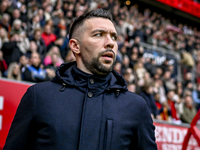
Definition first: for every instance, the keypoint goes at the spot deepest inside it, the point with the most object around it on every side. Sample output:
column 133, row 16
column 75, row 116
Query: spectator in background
column 168, row 82
column 147, row 94
column 140, row 70
column 188, row 87
column 119, row 27
column 32, row 25
column 32, row 49
column 172, row 71
column 42, row 17
column 48, row 60
column 187, row 78
column 47, row 11
column 3, row 37
column 23, row 62
column 125, row 63
column 133, row 60
column 60, row 26
column 5, row 23
column 54, row 62
column 157, row 101
column 118, row 67
column 196, row 96
column 17, row 27
column 64, row 47
column 23, row 44
column 23, row 14
column 59, row 42
column 189, row 111
column 165, row 112
column 14, row 71
column 41, row 47
column 151, row 67
column 165, row 65
column 57, row 16
column 34, row 72
column 132, row 87
column 51, row 68
column 3, row 64
column 153, row 40
column 197, row 71
column 122, row 53
column 32, row 11
column 4, row 7
column 128, row 75
column 65, row 6
column 11, row 50
column 15, row 15
column 171, row 99
column 50, row 22
column 47, row 35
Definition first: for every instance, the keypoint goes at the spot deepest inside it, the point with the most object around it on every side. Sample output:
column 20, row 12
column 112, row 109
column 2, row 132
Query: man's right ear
column 74, row 46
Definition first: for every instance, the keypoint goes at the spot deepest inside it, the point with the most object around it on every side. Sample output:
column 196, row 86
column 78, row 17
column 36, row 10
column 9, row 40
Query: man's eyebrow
column 99, row 30
column 114, row 34
column 104, row 31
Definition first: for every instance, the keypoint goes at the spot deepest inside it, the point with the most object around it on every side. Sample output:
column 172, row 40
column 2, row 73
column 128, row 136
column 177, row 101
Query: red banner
column 171, row 137
column 10, row 95
column 187, row 6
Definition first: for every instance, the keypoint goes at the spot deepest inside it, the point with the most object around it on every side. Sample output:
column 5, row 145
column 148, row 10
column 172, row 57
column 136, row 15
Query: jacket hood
column 69, row 75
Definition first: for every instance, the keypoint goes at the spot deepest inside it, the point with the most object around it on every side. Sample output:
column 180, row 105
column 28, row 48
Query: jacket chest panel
column 91, row 119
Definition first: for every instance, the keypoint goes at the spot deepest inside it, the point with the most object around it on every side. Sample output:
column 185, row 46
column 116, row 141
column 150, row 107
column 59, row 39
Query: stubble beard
column 96, row 67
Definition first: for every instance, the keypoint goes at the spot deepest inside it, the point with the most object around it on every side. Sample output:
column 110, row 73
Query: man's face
column 98, row 46
column 35, row 59
column 16, row 13
column 37, row 35
column 47, row 29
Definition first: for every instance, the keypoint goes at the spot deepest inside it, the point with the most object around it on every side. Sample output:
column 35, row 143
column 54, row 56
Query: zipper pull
column 62, row 88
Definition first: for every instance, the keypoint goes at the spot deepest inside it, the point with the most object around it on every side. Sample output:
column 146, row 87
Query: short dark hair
column 101, row 13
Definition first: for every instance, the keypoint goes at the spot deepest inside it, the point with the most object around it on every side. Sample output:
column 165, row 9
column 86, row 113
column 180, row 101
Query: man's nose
column 109, row 42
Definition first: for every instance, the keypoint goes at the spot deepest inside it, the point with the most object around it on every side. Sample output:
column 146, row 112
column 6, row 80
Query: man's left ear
column 74, row 46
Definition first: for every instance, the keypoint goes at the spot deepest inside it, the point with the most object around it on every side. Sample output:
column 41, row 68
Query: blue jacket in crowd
column 79, row 111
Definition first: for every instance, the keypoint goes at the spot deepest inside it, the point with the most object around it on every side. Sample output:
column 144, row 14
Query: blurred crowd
column 34, row 43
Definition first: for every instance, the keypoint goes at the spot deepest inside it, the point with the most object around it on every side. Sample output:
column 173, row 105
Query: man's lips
column 108, row 55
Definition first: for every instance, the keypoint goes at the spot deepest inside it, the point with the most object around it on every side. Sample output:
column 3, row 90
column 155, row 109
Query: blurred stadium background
column 159, row 55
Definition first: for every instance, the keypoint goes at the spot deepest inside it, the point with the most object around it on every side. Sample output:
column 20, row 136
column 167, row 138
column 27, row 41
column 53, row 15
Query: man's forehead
column 100, row 23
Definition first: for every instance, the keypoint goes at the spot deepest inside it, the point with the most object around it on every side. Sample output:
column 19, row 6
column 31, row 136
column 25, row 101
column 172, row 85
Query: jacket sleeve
column 21, row 131
column 146, row 134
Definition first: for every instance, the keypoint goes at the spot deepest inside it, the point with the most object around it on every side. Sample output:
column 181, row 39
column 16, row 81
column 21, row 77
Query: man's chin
column 107, row 62
column 106, row 67
column 102, row 67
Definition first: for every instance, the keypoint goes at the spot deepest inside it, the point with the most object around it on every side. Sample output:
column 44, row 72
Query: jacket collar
column 69, row 75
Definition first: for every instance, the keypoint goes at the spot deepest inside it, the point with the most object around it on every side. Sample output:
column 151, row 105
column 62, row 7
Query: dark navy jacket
column 78, row 111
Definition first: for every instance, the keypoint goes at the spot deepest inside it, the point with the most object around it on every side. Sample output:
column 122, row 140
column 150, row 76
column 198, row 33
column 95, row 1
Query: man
column 147, row 94
column 34, row 72
column 11, row 49
column 189, row 111
column 47, row 35
column 40, row 43
column 196, row 96
column 87, row 105
column 4, row 22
